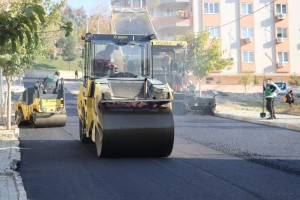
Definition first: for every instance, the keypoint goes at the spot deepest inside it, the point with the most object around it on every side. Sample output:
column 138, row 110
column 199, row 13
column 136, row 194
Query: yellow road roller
column 122, row 108
column 42, row 105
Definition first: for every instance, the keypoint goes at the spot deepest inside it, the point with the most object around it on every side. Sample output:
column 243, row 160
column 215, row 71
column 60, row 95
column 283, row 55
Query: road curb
column 12, row 184
column 16, row 158
column 22, row 195
column 17, row 176
column 260, row 121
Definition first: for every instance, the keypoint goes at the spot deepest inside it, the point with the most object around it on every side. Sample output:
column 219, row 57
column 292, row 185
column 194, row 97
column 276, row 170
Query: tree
column 204, row 55
column 21, row 33
column 68, row 47
column 80, row 65
column 294, row 80
column 246, row 79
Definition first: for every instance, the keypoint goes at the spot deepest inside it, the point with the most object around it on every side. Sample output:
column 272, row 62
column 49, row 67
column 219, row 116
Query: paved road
column 209, row 161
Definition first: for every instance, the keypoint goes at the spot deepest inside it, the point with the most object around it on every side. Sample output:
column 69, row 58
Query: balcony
column 156, row 3
column 174, row 19
column 171, row 22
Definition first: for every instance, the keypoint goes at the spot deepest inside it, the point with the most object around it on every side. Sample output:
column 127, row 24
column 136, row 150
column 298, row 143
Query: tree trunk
column 8, row 101
column 200, row 88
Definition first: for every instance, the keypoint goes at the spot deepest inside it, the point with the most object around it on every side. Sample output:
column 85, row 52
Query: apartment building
column 170, row 17
column 262, row 37
column 128, row 3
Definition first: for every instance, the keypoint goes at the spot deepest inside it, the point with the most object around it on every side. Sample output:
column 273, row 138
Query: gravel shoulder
column 254, row 102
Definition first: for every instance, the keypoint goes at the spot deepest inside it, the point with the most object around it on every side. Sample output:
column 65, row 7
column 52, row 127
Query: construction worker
column 103, row 60
column 192, row 87
column 289, row 97
column 271, row 91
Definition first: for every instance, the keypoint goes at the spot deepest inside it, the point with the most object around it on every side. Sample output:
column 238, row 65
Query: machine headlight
column 44, row 109
column 164, row 95
column 160, row 93
column 106, row 96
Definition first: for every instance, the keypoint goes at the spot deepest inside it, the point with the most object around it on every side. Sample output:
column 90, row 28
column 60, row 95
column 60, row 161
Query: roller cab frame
column 121, row 107
column 42, row 105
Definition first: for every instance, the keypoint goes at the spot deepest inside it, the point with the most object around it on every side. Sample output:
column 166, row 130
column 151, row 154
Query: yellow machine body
column 126, row 112
column 41, row 108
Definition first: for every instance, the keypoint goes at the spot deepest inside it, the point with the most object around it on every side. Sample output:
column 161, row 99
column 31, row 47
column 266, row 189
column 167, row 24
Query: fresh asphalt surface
column 210, row 160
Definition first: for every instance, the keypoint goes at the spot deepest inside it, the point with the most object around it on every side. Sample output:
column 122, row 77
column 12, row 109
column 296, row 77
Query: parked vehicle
column 283, row 87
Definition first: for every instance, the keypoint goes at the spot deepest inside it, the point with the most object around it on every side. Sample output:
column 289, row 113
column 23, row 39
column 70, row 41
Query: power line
column 238, row 19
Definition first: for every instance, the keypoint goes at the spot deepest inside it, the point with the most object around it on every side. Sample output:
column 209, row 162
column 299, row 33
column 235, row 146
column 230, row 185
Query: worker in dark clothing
column 103, row 61
column 271, row 91
column 76, row 74
column 289, row 97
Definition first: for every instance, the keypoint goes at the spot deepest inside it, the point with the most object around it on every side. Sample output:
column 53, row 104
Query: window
column 247, row 32
column 214, row 32
column 248, row 56
column 246, row 8
column 136, row 3
column 211, row 8
column 282, row 57
column 282, row 33
column 169, row 12
column 281, row 8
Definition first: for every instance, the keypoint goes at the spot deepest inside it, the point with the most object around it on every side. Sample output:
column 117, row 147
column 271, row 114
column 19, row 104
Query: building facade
column 262, row 37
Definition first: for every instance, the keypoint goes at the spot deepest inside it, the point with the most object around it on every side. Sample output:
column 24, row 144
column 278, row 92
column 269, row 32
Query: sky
column 89, row 5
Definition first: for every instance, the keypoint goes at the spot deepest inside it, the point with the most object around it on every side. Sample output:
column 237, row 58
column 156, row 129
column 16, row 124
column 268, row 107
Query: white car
column 283, row 87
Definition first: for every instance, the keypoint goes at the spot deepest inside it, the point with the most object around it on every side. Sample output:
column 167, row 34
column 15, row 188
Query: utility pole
column 87, row 25
column 98, row 24
column 1, row 94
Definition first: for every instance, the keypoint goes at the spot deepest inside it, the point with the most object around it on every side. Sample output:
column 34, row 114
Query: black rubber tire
column 82, row 136
column 19, row 118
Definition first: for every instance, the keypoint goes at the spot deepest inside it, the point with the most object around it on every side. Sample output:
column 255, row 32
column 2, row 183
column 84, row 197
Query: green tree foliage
column 79, row 19
column 246, row 79
column 295, row 80
column 204, row 55
column 23, row 24
column 255, row 80
column 20, row 23
column 68, row 48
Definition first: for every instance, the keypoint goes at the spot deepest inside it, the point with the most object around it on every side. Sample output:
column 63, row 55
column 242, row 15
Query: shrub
column 295, row 80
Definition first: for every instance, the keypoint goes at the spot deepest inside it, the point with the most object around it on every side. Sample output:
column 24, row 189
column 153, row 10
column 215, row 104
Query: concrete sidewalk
column 291, row 122
column 11, row 185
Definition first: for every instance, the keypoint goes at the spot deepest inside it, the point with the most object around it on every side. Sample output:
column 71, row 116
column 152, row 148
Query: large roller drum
column 43, row 120
column 137, row 133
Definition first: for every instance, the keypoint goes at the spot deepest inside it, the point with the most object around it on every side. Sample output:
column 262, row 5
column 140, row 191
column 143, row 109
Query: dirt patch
column 253, row 102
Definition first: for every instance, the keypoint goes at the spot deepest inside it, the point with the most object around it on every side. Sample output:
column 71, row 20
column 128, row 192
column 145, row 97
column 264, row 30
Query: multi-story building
column 170, row 17
column 128, row 3
column 261, row 36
